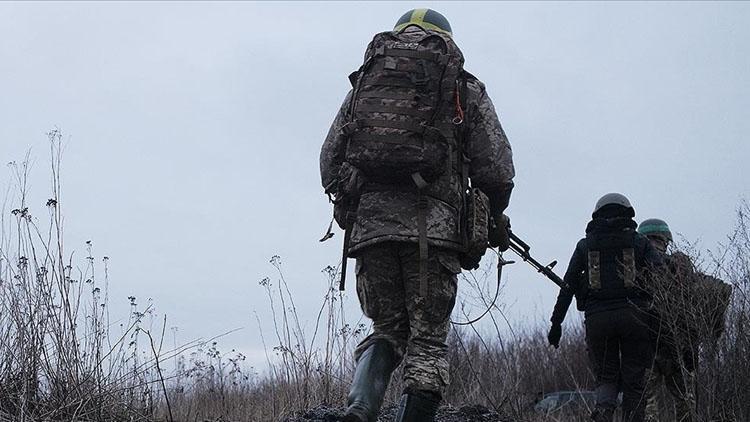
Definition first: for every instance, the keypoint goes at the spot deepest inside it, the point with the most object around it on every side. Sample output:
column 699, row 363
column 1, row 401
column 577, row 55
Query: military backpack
column 402, row 106
column 404, row 130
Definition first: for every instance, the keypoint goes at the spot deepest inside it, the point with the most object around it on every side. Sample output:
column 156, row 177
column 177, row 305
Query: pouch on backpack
column 476, row 224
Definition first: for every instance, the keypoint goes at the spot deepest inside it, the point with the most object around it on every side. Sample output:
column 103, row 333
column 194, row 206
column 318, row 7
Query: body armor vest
column 611, row 264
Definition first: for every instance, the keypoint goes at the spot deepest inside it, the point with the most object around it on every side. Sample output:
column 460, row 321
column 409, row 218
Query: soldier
column 689, row 305
column 409, row 136
column 606, row 275
column 668, row 362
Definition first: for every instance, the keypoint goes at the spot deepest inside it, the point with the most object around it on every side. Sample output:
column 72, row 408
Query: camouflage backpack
column 404, row 122
column 404, row 100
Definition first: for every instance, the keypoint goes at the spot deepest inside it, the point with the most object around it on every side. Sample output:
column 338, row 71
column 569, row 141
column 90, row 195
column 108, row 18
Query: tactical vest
column 404, row 101
column 612, row 270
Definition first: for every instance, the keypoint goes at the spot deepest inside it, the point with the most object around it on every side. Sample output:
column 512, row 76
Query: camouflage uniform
column 689, row 306
column 415, row 327
column 391, row 215
column 384, row 239
column 671, row 362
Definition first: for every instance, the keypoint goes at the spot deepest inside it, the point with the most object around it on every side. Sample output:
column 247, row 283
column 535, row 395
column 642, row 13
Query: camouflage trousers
column 415, row 326
column 668, row 370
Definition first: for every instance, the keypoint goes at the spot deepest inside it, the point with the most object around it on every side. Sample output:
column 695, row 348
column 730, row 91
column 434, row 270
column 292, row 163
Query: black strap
column 417, row 54
column 426, row 131
column 351, row 127
column 422, row 230
column 393, row 124
column 389, row 95
column 410, row 68
column 423, row 248
column 350, row 218
column 404, row 111
column 387, row 139
column 385, row 66
column 390, row 81
column 459, row 133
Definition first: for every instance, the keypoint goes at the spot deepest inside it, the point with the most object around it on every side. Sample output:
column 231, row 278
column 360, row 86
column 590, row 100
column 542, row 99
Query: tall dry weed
column 61, row 356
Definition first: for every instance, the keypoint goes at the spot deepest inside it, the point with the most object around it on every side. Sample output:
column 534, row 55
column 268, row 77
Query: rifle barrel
column 521, row 248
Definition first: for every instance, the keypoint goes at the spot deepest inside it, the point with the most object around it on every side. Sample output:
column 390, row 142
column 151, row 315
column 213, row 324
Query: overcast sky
column 193, row 132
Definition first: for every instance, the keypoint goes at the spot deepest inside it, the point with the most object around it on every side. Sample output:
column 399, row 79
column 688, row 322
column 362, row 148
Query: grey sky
column 195, row 130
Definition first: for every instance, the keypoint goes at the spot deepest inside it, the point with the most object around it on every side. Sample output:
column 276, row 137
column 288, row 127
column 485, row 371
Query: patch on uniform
column 406, row 45
column 628, row 267
column 595, row 270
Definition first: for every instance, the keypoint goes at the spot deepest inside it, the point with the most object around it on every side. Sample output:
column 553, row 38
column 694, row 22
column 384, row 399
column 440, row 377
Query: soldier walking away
column 415, row 148
column 680, row 320
column 607, row 276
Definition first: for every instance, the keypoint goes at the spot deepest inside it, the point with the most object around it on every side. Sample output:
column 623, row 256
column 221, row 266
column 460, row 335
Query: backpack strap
column 462, row 161
column 345, row 252
column 422, row 233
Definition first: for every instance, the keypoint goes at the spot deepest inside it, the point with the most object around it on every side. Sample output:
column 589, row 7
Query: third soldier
column 689, row 307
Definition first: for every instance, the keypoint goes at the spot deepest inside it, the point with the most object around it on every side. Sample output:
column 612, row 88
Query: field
column 61, row 358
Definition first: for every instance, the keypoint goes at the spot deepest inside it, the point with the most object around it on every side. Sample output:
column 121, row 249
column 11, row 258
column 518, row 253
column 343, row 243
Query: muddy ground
column 474, row 413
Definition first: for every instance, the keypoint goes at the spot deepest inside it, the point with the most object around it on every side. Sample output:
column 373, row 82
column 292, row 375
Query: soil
column 471, row 413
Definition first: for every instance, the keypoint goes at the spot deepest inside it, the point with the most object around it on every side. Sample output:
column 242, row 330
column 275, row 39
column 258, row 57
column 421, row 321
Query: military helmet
column 655, row 227
column 613, row 199
column 425, row 19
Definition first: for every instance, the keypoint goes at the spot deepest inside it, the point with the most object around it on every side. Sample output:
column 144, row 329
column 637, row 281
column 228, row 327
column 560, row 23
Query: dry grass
column 509, row 370
column 62, row 358
column 693, row 315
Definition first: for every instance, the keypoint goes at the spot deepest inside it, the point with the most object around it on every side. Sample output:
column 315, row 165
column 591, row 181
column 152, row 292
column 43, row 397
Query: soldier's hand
column 555, row 332
column 498, row 232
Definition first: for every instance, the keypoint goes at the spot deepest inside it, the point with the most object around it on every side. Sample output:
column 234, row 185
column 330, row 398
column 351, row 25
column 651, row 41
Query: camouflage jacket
column 392, row 215
column 690, row 304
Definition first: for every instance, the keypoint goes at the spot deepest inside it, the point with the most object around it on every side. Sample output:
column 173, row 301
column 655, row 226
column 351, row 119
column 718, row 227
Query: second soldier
column 608, row 276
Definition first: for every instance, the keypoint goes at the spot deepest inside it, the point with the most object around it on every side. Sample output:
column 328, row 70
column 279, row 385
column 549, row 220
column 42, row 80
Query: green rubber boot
column 418, row 406
column 371, row 379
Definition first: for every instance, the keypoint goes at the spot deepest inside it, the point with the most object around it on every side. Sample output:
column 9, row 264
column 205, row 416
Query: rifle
column 521, row 248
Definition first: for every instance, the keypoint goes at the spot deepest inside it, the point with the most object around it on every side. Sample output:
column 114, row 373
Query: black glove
column 498, row 232
column 554, row 335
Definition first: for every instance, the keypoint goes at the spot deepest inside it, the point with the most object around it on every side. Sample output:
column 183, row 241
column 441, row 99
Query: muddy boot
column 371, row 378
column 418, row 406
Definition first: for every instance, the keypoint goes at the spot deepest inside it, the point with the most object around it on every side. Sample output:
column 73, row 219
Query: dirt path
column 473, row 413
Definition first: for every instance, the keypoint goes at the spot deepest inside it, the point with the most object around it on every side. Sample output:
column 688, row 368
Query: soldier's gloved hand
column 555, row 332
column 498, row 232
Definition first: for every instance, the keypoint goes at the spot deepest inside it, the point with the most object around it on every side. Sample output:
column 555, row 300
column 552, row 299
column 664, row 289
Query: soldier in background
column 607, row 275
column 689, row 305
column 405, row 225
